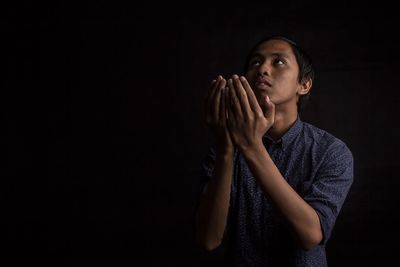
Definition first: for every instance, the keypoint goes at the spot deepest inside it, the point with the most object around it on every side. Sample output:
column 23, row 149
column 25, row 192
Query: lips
column 262, row 83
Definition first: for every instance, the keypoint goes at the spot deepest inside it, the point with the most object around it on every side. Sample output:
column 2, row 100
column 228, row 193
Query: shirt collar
column 289, row 136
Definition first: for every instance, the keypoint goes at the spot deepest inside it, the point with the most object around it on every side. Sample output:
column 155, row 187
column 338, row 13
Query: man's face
column 273, row 70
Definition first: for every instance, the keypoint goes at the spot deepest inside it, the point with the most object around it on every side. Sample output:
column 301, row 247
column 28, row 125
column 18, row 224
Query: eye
column 279, row 61
column 255, row 62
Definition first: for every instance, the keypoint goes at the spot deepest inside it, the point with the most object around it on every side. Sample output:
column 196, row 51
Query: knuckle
column 258, row 115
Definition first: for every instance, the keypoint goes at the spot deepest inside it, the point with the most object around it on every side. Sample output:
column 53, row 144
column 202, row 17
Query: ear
column 305, row 87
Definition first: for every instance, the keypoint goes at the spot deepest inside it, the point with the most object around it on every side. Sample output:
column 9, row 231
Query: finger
column 242, row 96
column 269, row 113
column 217, row 101
column 230, row 118
column 254, row 105
column 222, row 109
column 234, row 101
column 211, row 92
column 208, row 103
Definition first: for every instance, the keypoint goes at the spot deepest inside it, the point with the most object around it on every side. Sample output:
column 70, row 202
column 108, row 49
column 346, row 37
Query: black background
column 102, row 138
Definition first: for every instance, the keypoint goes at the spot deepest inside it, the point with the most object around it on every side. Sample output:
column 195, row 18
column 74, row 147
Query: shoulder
column 325, row 142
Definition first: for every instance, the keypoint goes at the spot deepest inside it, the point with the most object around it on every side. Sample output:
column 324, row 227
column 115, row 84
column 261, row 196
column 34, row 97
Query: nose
column 264, row 69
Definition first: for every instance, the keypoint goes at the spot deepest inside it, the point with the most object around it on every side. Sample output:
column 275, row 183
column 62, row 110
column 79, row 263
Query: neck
column 284, row 119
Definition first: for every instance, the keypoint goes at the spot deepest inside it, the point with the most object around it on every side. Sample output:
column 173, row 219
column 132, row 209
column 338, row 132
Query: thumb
column 269, row 112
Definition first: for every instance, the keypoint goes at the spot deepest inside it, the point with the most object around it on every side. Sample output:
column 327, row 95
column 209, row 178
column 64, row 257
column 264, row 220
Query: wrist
column 225, row 151
column 252, row 148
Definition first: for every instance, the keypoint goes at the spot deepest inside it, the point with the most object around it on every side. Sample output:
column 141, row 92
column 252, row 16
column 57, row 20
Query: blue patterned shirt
column 317, row 165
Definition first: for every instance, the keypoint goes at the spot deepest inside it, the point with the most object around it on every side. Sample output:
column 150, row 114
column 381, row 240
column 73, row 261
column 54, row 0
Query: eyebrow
column 276, row 54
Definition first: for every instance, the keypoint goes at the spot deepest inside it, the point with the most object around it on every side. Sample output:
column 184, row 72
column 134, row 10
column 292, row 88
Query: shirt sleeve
column 206, row 171
column 331, row 186
column 202, row 179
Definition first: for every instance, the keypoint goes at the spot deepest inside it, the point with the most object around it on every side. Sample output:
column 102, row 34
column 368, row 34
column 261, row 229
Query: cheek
column 291, row 77
column 287, row 80
column 251, row 73
column 250, row 77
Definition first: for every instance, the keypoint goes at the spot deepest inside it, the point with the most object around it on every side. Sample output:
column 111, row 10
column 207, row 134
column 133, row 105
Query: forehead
column 275, row 47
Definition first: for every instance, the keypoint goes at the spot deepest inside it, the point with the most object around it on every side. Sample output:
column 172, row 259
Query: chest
column 298, row 168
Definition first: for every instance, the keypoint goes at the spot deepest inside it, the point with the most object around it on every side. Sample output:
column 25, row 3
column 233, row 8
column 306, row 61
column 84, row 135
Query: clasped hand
column 234, row 114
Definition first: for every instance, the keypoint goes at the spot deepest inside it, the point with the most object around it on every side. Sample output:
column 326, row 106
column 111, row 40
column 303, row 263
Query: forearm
column 302, row 218
column 212, row 213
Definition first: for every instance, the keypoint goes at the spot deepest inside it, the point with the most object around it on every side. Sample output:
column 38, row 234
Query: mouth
column 262, row 84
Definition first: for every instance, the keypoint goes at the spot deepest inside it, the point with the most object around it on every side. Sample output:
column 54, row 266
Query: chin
column 261, row 96
column 261, row 101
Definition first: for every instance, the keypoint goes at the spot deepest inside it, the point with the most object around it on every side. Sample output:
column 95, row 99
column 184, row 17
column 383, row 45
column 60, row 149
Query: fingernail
column 242, row 78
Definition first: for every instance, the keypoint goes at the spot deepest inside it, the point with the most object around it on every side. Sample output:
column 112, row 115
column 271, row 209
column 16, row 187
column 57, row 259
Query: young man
column 273, row 185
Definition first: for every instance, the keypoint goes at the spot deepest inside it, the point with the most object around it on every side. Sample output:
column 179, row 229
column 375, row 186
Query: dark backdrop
column 102, row 138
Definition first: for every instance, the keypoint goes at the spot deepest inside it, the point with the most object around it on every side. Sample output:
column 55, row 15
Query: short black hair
column 306, row 68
